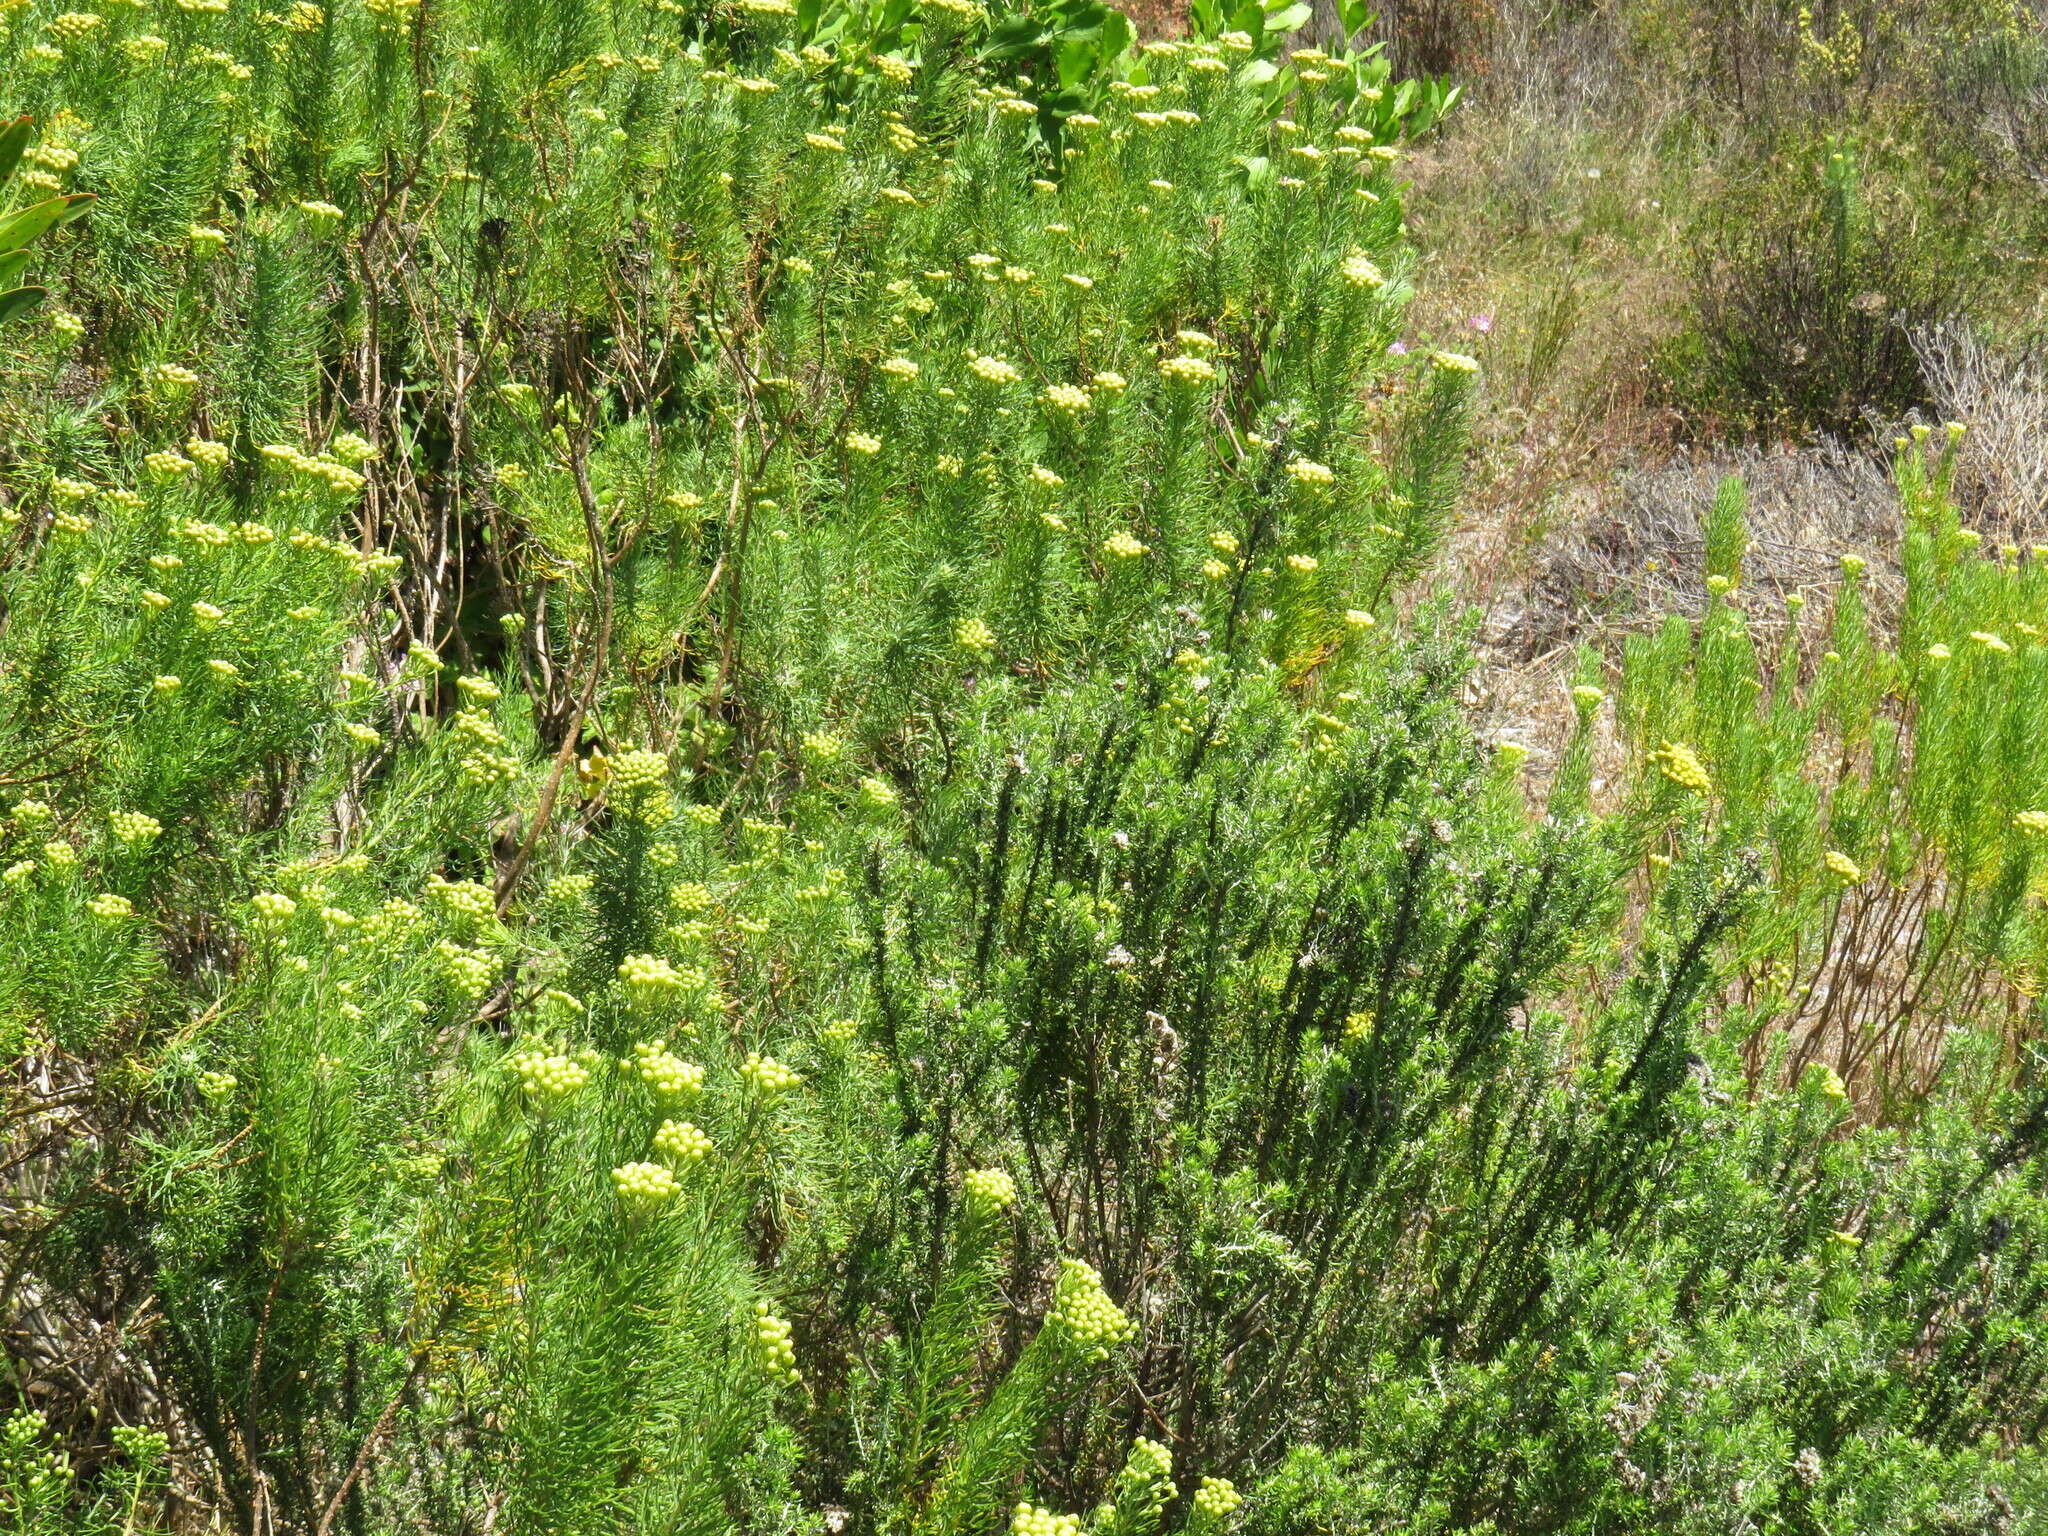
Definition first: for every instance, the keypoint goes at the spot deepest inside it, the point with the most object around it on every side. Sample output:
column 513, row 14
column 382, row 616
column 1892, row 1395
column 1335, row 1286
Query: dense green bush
column 1804, row 301
column 728, row 807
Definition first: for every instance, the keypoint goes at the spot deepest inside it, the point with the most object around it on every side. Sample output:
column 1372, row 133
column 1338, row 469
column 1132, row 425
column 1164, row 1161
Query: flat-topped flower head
column 1029, row 1520
column 1217, row 1499
column 680, row 1144
column 1681, row 765
column 666, row 1073
column 1082, row 1315
column 993, row 370
column 273, row 908
column 134, row 828
column 650, row 982
column 1359, row 272
column 644, row 1188
column 768, row 1077
column 547, row 1078
column 990, row 1191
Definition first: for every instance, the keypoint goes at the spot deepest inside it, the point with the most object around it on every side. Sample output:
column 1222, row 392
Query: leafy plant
column 731, row 804
column 21, row 228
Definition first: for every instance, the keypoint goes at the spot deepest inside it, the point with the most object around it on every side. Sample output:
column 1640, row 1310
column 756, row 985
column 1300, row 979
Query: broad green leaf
column 19, row 301
column 12, row 267
column 1073, row 59
column 1288, row 19
column 1013, row 39
column 1117, row 36
column 25, row 224
column 13, row 143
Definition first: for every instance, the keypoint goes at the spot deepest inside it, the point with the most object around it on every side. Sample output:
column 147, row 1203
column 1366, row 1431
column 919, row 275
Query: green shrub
column 728, row 807
column 1803, row 302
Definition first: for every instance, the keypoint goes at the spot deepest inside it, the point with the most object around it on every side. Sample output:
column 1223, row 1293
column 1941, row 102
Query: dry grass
column 2002, row 395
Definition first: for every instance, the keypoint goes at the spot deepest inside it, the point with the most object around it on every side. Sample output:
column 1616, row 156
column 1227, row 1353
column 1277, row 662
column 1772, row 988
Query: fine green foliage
column 726, row 805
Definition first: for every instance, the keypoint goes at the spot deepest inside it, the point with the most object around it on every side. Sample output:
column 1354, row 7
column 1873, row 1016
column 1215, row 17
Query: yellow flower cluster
column 547, row 1078
column 324, row 467
column 469, row 972
column 680, row 1142
column 1191, row 371
column 133, row 827
column 990, row 1191
column 1149, row 1467
column 1122, row 545
column 273, row 907
column 767, row 1076
column 637, row 772
column 395, row 921
column 1842, row 867
column 666, row 1073
column 467, row 902
column 993, row 370
column 1827, row 1082
column 650, row 981
column 1030, row 1520
column 771, row 1345
column 644, row 1188
column 1217, row 1498
column 169, row 378
column 108, row 907
column 1082, row 1313
column 974, row 635
column 1682, row 766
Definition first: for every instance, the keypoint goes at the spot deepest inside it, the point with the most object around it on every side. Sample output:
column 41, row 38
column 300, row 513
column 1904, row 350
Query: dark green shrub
column 1802, row 302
